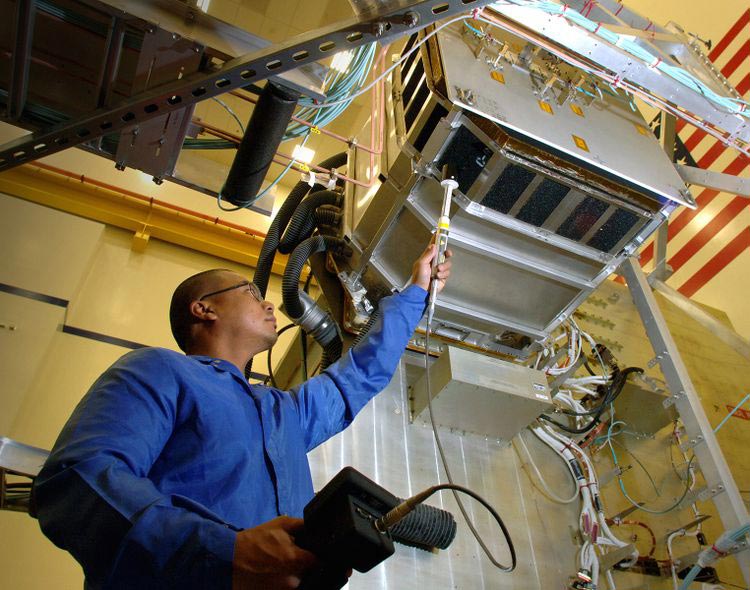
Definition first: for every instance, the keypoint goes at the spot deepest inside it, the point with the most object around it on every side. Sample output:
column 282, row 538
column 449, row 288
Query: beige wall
column 112, row 290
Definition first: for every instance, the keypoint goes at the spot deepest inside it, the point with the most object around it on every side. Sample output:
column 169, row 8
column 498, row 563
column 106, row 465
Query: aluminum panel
column 610, row 130
column 402, row 457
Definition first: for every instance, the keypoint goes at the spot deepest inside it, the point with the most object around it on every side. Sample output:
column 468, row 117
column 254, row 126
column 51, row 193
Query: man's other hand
column 422, row 269
column 266, row 556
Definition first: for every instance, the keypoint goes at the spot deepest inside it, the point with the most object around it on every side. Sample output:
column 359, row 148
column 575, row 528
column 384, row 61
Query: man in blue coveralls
column 174, row 472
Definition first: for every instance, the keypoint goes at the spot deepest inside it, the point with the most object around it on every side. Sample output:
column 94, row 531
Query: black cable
column 270, row 370
column 441, row 451
column 723, row 583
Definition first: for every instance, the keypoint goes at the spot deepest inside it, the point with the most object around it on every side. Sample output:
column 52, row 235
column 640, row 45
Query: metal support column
column 720, row 485
column 667, row 137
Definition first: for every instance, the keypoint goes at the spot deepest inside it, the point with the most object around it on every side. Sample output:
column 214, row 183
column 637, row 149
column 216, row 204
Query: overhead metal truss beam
column 405, row 17
column 721, row 487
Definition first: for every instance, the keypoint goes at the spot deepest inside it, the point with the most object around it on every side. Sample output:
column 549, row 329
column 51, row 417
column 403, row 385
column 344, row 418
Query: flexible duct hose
column 290, row 285
column 426, row 527
column 303, row 222
column 259, row 143
column 301, row 308
column 327, row 216
column 279, row 223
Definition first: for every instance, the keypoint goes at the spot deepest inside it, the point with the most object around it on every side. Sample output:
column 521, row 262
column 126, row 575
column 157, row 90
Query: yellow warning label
column 581, row 143
column 498, row 77
column 546, row 107
column 641, row 129
column 576, row 109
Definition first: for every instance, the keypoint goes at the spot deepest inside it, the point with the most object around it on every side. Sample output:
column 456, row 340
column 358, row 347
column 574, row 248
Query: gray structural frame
column 715, row 180
column 720, row 485
column 403, row 17
column 624, row 65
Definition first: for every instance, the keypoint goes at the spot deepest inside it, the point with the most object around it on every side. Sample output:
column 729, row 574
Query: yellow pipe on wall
column 142, row 215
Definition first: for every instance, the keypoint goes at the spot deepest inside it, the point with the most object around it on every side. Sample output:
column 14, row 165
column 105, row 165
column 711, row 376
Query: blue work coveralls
column 168, row 456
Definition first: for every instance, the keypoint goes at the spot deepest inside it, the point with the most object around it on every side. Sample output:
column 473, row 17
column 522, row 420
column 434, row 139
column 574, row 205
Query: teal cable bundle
column 339, row 88
column 723, row 545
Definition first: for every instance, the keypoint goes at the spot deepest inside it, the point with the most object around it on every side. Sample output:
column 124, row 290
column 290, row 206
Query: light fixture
column 303, row 154
column 342, row 60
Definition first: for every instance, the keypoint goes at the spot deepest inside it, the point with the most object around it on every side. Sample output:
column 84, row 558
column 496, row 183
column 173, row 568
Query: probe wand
column 449, row 184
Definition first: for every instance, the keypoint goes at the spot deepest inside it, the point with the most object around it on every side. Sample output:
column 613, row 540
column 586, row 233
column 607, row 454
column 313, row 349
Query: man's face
column 240, row 311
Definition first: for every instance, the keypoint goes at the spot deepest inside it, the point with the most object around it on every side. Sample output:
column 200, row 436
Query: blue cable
column 730, row 414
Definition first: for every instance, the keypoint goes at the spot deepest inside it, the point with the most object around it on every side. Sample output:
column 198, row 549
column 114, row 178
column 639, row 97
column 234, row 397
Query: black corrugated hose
column 302, row 223
column 259, row 143
column 279, row 223
column 426, row 527
column 294, row 308
column 290, row 284
column 327, row 216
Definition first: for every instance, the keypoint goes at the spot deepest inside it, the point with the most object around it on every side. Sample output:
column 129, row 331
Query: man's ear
column 202, row 310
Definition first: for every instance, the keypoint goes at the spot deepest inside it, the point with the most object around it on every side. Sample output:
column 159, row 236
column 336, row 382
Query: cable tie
column 650, row 24
column 564, row 9
column 655, row 63
column 718, row 551
column 311, row 178
column 598, row 26
column 475, row 13
column 617, row 12
column 589, row 6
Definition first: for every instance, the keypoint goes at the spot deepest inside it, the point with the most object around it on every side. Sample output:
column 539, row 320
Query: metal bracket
column 702, row 494
column 612, row 558
column 687, row 527
column 689, row 444
column 673, row 399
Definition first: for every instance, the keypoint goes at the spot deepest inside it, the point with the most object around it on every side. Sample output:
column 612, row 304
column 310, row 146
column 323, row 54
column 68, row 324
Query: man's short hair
column 189, row 290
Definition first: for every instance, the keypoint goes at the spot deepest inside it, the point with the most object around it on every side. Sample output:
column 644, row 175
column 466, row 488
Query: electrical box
column 641, row 406
column 476, row 393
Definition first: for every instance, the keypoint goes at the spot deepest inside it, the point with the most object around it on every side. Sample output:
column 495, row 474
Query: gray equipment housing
column 535, row 226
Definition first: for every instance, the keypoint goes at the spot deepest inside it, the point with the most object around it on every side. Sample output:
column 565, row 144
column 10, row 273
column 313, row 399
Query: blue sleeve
column 95, row 500
column 329, row 402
